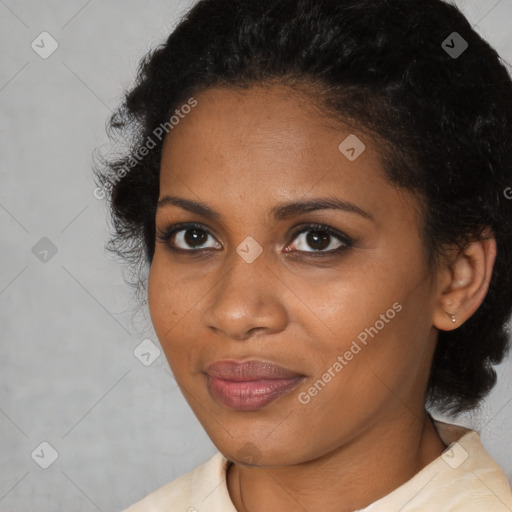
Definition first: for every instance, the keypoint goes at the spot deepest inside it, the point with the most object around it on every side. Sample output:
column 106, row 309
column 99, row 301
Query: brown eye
column 319, row 239
column 194, row 238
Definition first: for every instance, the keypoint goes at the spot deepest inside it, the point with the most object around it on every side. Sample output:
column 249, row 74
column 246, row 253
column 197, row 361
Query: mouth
column 249, row 385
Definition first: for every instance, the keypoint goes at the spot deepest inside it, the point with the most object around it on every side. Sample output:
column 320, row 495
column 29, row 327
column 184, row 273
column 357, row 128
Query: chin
column 249, row 454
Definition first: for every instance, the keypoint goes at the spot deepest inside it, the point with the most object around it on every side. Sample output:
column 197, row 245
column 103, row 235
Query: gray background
column 69, row 375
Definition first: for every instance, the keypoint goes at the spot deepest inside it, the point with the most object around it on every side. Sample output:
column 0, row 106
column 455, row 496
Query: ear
column 463, row 283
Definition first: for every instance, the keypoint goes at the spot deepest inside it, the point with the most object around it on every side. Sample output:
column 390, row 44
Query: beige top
column 463, row 479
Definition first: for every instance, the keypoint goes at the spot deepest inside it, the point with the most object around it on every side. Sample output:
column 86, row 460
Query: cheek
column 157, row 298
column 378, row 354
column 173, row 308
column 345, row 302
column 165, row 303
column 375, row 317
column 169, row 298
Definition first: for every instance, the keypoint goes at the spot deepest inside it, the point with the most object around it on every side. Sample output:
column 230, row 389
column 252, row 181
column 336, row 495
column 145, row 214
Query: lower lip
column 250, row 395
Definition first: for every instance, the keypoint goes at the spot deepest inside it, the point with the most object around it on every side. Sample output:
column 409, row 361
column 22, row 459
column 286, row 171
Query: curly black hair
column 414, row 74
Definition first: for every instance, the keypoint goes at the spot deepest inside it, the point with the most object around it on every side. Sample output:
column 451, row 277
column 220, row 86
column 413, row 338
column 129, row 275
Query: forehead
column 265, row 145
column 259, row 132
column 232, row 122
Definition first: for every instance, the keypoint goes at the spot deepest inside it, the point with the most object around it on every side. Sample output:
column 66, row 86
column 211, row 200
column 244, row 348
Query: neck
column 349, row 478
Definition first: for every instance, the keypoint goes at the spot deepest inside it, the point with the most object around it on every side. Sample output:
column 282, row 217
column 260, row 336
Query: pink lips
column 249, row 385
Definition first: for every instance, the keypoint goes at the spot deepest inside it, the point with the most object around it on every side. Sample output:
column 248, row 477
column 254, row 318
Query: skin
column 242, row 152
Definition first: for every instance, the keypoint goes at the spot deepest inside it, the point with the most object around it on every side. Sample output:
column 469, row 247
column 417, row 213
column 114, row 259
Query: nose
column 248, row 302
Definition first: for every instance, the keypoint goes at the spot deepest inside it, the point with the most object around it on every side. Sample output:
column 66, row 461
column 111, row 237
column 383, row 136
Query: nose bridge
column 246, row 281
column 246, row 298
column 248, row 273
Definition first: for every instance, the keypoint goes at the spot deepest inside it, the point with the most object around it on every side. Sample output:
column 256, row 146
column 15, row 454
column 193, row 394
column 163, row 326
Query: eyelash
column 165, row 235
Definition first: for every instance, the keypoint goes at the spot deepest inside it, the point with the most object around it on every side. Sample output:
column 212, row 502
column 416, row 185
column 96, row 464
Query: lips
column 249, row 370
column 249, row 385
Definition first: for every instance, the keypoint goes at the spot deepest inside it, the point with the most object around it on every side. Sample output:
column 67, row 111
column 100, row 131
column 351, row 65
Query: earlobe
column 464, row 284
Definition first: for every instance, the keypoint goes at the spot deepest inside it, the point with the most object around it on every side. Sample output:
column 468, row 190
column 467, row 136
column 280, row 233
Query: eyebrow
column 280, row 212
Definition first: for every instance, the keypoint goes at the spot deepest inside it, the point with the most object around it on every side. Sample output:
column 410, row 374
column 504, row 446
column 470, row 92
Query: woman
column 320, row 191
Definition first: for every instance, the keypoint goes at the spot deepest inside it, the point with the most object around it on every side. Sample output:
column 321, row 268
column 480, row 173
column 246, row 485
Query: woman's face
column 345, row 306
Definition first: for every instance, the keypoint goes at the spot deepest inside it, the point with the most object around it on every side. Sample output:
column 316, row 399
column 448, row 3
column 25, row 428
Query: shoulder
column 470, row 476
column 189, row 492
column 464, row 478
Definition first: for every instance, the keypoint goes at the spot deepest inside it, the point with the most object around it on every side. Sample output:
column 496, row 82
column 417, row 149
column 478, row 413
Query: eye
column 317, row 238
column 188, row 237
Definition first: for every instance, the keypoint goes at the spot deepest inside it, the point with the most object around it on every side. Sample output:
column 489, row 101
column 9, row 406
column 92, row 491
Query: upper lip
column 256, row 369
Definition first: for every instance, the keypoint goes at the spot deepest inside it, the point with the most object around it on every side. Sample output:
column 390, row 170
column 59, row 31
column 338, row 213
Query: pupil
column 195, row 236
column 318, row 239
